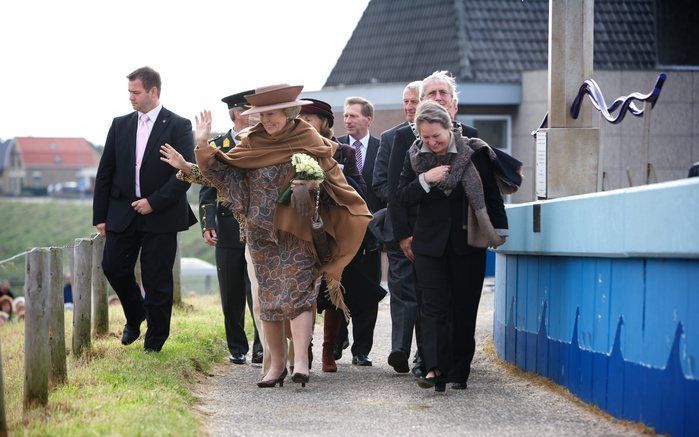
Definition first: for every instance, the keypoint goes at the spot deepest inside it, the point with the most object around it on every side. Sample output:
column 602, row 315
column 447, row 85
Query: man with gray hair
column 440, row 87
column 400, row 270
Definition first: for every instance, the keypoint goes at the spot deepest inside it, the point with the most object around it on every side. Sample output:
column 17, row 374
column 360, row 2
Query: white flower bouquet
column 306, row 168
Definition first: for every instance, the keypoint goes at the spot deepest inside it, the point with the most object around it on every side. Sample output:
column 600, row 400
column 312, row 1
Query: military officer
column 220, row 229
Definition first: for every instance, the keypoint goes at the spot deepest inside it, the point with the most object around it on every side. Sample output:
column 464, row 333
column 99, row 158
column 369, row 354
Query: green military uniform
column 233, row 280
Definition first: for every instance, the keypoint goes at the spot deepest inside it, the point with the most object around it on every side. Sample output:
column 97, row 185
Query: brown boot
column 331, row 327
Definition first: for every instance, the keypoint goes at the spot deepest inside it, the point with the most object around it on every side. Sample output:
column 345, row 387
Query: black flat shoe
column 300, row 378
column 130, row 335
column 273, row 382
column 237, row 358
column 432, row 381
column 458, row 386
column 399, row 361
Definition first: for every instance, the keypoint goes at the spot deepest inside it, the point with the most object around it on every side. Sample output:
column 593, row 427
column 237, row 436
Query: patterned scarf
column 480, row 231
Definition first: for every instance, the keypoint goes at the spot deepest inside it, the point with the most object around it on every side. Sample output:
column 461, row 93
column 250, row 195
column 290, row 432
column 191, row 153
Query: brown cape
column 345, row 222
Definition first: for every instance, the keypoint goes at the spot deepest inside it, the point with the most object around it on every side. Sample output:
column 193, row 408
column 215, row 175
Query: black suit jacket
column 402, row 217
column 380, row 182
column 115, row 184
column 441, row 219
column 213, row 215
column 373, row 202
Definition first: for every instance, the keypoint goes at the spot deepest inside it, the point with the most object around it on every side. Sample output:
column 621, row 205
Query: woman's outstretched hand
column 202, row 130
column 174, row 158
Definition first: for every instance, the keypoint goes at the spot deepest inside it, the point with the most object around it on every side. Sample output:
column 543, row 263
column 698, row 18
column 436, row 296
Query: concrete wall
column 674, row 142
column 384, row 119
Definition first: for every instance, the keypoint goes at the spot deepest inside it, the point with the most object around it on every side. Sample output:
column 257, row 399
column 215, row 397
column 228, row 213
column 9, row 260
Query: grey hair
column 413, row 86
column 432, row 112
column 292, row 112
column 441, row 76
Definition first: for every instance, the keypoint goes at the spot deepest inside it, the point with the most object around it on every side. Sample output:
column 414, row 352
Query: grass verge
column 117, row 390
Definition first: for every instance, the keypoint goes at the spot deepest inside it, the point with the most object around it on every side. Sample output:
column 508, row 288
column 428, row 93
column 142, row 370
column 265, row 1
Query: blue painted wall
column 605, row 300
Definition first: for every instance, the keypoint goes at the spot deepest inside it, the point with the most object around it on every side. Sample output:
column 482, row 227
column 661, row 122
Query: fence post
column 100, row 306
column 57, row 339
column 177, row 275
column 3, row 420
column 36, row 328
column 81, row 295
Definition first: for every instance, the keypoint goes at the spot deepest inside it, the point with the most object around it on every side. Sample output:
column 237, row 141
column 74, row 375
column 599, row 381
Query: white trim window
column 496, row 130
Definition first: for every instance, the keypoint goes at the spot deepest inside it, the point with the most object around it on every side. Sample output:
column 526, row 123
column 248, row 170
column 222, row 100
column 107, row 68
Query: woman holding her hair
column 460, row 213
column 249, row 179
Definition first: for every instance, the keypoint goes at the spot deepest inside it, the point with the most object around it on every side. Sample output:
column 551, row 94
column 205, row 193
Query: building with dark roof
column 498, row 52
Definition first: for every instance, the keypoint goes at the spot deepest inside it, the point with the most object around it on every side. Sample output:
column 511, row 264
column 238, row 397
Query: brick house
column 31, row 164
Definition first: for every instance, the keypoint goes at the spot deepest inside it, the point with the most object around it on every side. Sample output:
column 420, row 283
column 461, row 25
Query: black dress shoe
column 130, row 335
column 361, row 360
column 257, row 357
column 458, row 385
column 339, row 348
column 417, row 371
column 399, row 361
column 237, row 358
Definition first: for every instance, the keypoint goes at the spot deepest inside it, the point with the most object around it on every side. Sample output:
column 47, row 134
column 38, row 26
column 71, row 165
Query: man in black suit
column 221, row 229
column 401, row 282
column 440, row 87
column 140, row 206
column 366, row 292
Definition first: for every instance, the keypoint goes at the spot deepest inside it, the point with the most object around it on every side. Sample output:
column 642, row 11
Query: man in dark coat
column 140, row 206
column 440, row 86
column 401, row 284
column 366, row 292
column 221, row 229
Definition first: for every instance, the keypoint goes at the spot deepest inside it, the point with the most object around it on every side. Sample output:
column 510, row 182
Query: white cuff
column 503, row 232
column 423, row 183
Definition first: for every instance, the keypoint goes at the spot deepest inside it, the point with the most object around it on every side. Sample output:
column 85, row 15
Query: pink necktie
column 360, row 158
column 142, row 134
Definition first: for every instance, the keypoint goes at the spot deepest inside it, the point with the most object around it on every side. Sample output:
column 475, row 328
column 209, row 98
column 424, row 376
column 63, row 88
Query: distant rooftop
column 56, row 152
column 483, row 41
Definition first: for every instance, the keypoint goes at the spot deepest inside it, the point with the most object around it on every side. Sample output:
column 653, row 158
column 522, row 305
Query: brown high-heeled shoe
column 300, row 378
column 273, row 382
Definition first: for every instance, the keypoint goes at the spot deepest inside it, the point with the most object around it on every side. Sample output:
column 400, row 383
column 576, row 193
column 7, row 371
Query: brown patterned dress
column 285, row 268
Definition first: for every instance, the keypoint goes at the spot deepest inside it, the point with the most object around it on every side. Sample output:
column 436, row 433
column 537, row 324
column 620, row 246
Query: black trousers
column 450, row 291
column 234, row 286
column 404, row 309
column 157, row 258
column 362, row 282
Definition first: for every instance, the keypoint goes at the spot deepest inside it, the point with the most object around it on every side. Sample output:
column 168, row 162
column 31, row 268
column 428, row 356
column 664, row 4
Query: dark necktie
column 360, row 158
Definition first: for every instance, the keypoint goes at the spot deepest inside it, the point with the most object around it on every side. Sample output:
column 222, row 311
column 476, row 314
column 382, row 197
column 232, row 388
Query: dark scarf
column 480, row 231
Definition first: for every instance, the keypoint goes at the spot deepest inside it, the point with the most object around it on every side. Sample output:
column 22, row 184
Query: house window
column 57, row 159
column 36, row 176
column 496, row 130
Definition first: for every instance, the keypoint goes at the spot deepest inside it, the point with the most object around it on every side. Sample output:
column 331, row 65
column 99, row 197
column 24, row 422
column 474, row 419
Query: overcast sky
column 63, row 63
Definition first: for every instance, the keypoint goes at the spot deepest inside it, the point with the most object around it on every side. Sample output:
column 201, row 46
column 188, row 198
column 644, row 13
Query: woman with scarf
column 250, row 179
column 460, row 214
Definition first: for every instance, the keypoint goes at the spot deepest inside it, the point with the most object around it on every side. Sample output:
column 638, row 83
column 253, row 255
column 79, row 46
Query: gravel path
column 376, row 401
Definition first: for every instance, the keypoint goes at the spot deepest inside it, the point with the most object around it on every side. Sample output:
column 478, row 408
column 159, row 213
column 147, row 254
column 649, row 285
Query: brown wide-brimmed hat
column 273, row 97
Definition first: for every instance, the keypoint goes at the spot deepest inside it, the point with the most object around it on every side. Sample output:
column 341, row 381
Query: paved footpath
column 376, row 401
